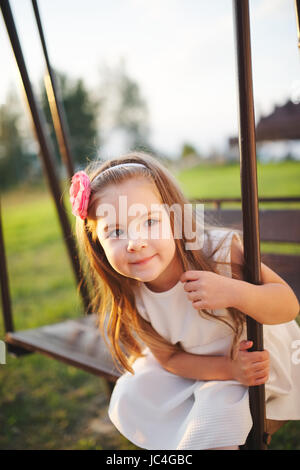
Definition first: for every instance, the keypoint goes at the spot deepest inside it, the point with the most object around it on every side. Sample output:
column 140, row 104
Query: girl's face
column 134, row 230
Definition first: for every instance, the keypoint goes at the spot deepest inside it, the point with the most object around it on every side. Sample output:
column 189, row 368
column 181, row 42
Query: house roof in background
column 282, row 124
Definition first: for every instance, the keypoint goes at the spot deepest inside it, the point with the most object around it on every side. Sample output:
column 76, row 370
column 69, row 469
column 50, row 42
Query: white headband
column 119, row 165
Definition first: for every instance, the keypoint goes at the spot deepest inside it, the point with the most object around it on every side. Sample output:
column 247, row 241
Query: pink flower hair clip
column 80, row 191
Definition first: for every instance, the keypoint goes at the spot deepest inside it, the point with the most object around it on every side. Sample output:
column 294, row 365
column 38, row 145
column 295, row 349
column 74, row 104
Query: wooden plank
column 76, row 342
column 275, row 225
column 287, row 266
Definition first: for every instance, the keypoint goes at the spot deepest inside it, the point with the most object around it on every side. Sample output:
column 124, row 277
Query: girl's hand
column 209, row 290
column 250, row 368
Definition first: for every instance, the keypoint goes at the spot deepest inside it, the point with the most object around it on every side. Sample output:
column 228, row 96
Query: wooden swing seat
column 76, row 342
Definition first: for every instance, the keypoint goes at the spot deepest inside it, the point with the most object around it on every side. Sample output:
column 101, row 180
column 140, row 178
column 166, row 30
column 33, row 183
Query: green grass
column 45, row 404
column 209, row 181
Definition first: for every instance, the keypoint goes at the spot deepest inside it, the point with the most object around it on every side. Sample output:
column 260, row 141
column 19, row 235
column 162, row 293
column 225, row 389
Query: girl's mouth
column 144, row 261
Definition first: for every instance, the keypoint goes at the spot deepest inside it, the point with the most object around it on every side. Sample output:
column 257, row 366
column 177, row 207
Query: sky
column 181, row 53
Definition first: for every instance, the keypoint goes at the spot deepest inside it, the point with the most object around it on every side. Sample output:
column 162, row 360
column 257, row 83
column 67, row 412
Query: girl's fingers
column 201, row 305
column 245, row 344
column 261, row 380
column 259, row 356
column 194, row 296
column 190, row 276
column 190, row 286
column 260, row 373
column 262, row 364
column 198, row 304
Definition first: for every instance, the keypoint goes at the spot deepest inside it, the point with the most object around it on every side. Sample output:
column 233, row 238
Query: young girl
column 173, row 312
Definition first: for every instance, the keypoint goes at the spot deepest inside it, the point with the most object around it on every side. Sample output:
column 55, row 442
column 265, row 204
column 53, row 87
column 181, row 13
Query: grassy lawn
column 45, row 404
column 208, row 181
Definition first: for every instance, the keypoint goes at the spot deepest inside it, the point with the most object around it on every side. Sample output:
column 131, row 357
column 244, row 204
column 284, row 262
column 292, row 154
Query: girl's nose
column 136, row 244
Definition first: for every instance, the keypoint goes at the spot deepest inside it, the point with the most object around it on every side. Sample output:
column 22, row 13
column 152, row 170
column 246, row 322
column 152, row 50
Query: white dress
column 156, row 409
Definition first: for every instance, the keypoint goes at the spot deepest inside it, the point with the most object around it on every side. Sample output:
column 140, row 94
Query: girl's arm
column 197, row 367
column 271, row 303
column 249, row 368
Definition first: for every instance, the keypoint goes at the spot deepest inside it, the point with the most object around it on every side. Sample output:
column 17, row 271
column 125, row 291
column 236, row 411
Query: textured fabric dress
column 156, row 409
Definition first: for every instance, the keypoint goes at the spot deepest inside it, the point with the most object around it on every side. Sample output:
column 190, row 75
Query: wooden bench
column 78, row 342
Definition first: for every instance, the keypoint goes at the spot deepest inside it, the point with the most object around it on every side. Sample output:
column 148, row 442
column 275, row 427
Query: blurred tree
column 290, row 157
column 188, row 150
column 81, row 110
column 15, row 160
column 124, row 110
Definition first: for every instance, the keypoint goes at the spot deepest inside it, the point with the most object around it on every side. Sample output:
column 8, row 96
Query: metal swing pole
column 56, row 107
column 297, row 8
column 46, row 153
column 5, row 293
column 248, row 173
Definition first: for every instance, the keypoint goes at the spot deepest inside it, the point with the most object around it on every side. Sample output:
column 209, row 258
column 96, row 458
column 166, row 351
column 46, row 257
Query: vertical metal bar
column 297, row 7
column 248, row 170
column 45, row 151
column 56, row 106
column 5, row 295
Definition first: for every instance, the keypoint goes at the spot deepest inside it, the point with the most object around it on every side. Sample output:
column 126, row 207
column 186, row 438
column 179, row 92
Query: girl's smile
column 143, row 261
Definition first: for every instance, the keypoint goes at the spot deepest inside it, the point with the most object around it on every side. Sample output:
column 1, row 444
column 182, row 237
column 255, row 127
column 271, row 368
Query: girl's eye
column 152, row 220
column 115, row 233
column 112, row 234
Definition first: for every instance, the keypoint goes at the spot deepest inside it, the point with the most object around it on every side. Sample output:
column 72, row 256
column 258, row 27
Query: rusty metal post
column 46, row 153
column 247, row 147
column 297, row 7
column 5, row 294
column 56, row 107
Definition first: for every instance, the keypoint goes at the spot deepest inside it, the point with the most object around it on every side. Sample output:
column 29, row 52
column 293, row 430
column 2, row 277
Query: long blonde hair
column 113, row 300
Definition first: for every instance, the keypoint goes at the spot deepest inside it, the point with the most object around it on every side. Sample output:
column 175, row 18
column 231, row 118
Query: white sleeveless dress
column 158, row 410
